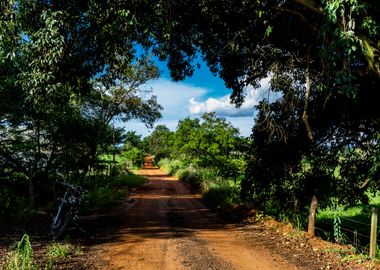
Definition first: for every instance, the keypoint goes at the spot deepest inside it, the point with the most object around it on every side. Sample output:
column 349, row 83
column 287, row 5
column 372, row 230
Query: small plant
column 21, row 256
column 59, row 250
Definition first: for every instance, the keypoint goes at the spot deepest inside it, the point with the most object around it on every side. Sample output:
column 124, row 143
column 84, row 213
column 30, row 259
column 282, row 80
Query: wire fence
column 347, row 231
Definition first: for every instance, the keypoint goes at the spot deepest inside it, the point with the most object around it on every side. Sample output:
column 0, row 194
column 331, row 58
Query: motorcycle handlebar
column 71, row 186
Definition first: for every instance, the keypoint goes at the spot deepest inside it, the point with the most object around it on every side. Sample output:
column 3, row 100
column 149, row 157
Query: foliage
column 130, row 180
column 67, row 73
column 159, row 142
column 322, row 61
column 103, row 196
column 134, row 157
column 108, row 192
column 21, row 257
column 132, row 150
column 170, row 166
column 221, row 194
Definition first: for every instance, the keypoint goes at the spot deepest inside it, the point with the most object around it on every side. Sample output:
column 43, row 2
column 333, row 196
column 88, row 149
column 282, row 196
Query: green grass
column 56, row 250
column 354, row 222
column 130, row 180
column 21, row 257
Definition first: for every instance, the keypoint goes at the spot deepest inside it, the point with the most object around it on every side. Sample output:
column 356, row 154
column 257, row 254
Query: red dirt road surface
column 165, row 226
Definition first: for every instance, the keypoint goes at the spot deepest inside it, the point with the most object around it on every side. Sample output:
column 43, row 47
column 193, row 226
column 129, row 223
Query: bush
column 11, row 204
column 130, row 180
column 220, row 195
column 190, row 176
column 104, row 196
column 134, row 157
column 171, row 166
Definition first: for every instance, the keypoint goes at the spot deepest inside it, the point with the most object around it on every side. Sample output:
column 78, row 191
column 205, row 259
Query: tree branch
column 305, row 116
column 311, row 5
column 299, row 15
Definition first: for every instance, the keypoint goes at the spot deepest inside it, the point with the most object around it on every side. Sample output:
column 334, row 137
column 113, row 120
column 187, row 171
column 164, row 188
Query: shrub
column 104, row 196
column 190, row 176
column 11, row 204
column 170, row 166
column 134, row 157
column 220, row 195
column 130, row 180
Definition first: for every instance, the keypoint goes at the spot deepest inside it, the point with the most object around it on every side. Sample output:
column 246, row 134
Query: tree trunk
column 32, row 202
column 89, row 177
column 313, row 209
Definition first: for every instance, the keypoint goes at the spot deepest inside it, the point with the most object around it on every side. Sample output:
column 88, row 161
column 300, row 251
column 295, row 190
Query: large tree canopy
column 322, row 56
column 72, row 65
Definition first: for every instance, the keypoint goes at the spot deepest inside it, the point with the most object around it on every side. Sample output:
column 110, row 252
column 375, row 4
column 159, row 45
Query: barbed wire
column 356, row 221
column 322, row 230
column 354, row 232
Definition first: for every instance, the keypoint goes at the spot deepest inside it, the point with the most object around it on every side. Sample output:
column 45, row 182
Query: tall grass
column 217, row 191
column 220, row 194
column 21, row 257
column 171, row 166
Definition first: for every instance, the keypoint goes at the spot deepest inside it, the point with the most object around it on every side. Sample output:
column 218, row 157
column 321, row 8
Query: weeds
column 58, row 250
column 21, row 258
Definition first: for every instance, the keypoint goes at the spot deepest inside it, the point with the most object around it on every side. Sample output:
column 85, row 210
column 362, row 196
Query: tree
column 67, row 72
column 133, row 149
column 159, row 143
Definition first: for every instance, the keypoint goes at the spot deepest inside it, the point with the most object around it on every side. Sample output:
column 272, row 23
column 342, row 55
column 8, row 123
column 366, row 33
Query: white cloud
column 181, row 100
column 174, row 97
column 223, row 107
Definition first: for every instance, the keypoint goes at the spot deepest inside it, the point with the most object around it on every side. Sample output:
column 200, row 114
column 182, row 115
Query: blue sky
column 194, row 96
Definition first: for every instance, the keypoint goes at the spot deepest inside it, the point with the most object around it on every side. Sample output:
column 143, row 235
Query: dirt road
column 165, row 226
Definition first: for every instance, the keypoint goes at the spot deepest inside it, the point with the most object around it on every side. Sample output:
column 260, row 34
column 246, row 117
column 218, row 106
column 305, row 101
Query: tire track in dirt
column 167, row 227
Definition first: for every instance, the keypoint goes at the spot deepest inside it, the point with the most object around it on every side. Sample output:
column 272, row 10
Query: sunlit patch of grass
column 57, row 250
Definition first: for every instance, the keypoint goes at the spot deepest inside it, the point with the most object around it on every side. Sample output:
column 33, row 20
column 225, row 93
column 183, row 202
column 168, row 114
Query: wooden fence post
column 373, row 241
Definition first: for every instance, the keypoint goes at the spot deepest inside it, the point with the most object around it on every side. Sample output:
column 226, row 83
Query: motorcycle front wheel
column 58, row 228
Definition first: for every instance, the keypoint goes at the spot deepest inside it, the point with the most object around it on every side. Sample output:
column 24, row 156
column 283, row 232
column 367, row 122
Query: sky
column 203, row 92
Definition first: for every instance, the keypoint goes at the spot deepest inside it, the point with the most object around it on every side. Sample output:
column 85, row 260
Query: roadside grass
column 220, row 195
column 171, row 166
column 217, row 191
column 130, row 180
column 108, row 193
column 104, row 196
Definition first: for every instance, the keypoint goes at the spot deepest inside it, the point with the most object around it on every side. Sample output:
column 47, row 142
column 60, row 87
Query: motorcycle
column 68, row 211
